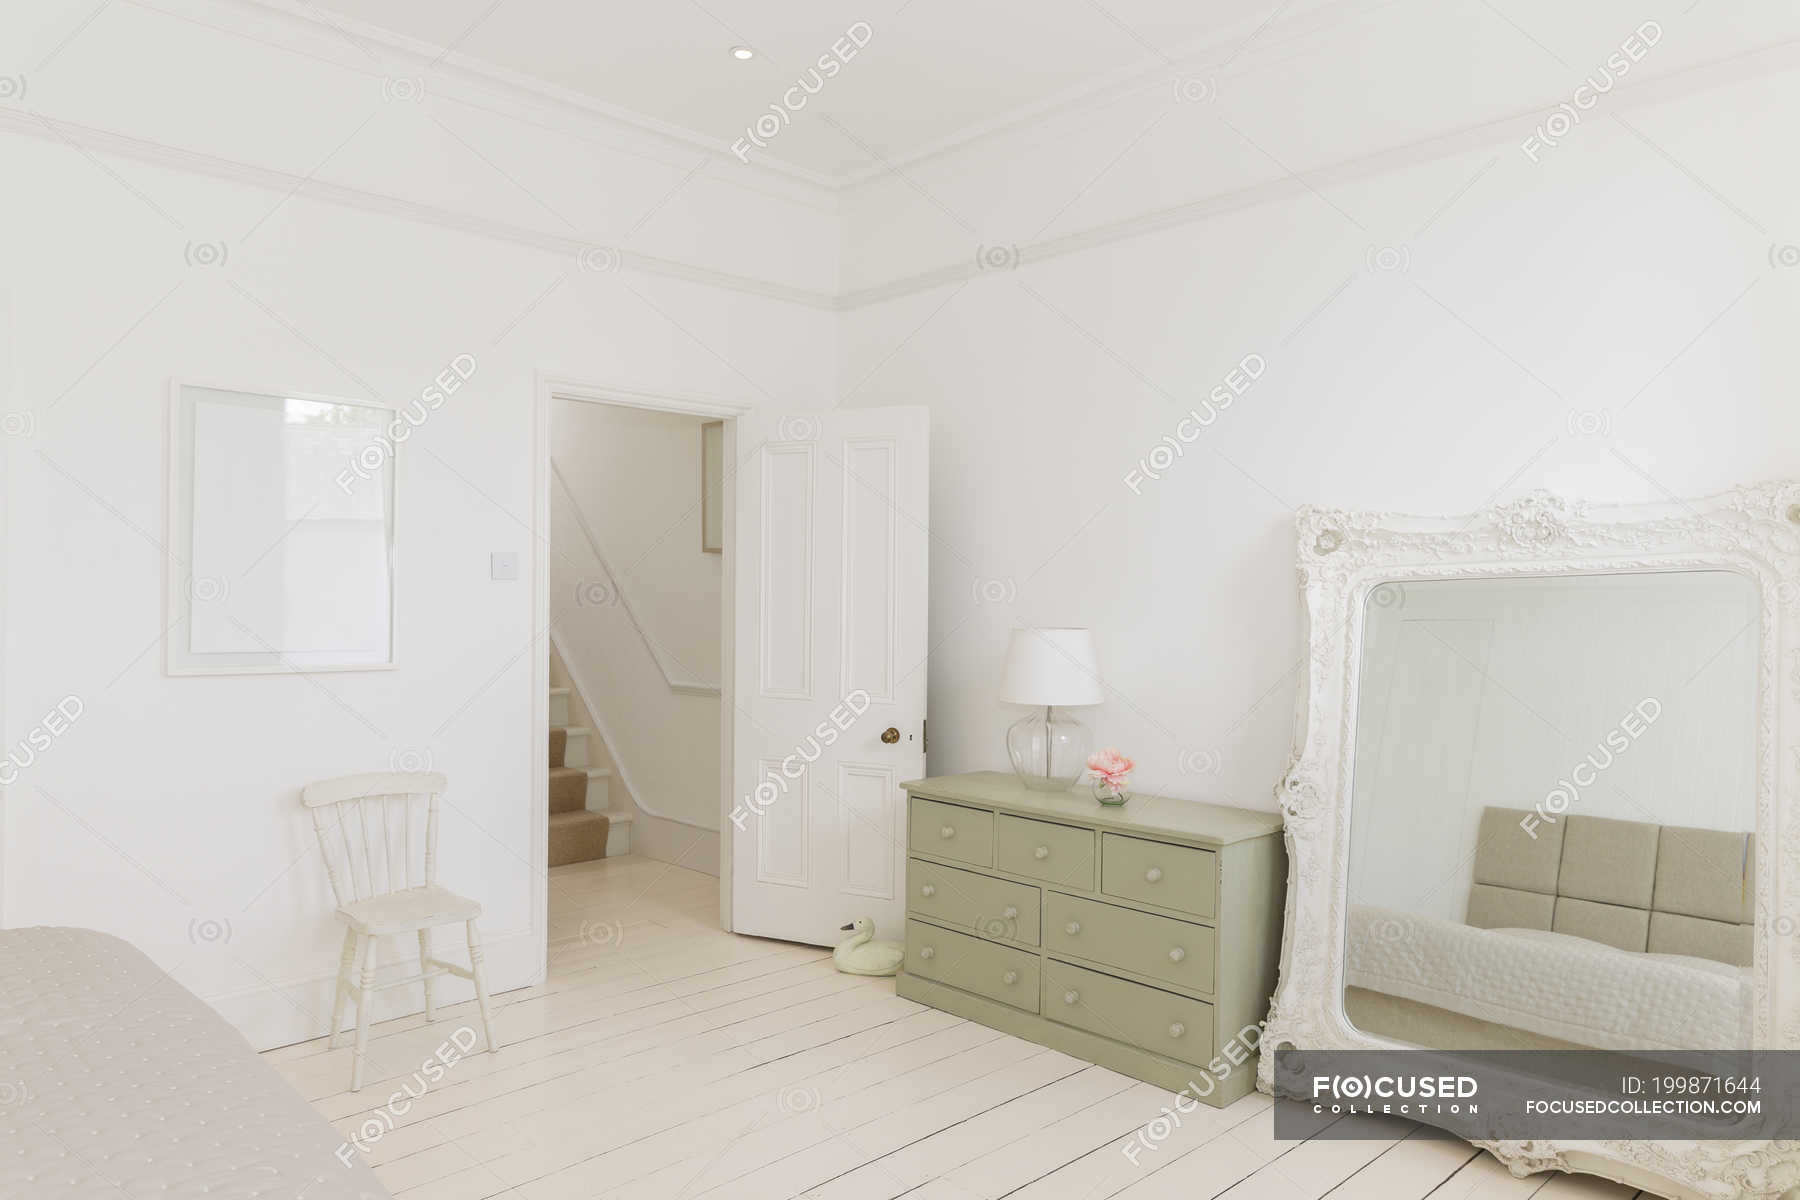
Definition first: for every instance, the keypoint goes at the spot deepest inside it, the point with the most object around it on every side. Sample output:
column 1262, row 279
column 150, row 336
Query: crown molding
column 1738, row 68
column 101, row 141
column 766, row 174
column 1212, row 53
column 1734, row 69
column 1271, row 38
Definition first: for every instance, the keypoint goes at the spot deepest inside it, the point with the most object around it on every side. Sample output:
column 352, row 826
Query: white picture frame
column 712, row 487
column 1343, row 555
column 280, row 551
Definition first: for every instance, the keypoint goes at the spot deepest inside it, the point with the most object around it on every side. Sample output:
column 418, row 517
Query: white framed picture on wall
column 712, row 487
column 280, row 552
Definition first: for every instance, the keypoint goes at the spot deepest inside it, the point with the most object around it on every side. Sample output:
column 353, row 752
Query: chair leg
column 346, row 964
column 365, row 953
column 481, row 992
column 424, row 966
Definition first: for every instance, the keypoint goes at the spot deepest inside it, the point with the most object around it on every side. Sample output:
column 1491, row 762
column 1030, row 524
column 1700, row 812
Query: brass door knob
column 890, row 735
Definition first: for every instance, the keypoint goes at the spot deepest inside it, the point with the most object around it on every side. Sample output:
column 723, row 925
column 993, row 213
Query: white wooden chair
column 366, row 826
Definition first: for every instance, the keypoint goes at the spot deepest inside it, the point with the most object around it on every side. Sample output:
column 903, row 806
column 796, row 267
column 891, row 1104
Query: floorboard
column 663, row 1059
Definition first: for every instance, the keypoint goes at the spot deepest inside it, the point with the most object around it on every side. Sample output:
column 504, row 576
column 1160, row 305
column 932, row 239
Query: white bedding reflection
column 1568, row 988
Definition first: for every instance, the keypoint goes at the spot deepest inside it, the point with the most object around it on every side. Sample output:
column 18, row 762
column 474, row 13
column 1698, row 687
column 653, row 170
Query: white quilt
column 118, row 1083
column 1550, row 983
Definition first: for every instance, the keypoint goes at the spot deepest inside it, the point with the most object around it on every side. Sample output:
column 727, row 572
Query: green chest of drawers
column 1145, row 939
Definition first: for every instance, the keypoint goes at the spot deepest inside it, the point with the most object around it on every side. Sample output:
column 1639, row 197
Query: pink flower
column 1111, row 766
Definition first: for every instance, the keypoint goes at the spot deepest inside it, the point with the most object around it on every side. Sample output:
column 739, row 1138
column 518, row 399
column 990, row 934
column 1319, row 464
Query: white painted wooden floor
column 664, row 1058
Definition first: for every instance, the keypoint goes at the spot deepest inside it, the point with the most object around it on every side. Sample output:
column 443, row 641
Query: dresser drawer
column 994, row 907
column 1146, row 1017
column 1178, row 877
column 997, row 972
column 1054, row 853
column 1160, row 947
column 951, row 831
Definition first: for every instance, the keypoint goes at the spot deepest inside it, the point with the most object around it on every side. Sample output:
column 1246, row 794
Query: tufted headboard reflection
column 1665, row 889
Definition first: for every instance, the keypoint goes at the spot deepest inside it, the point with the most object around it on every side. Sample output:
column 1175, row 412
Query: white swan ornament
column 860, row 954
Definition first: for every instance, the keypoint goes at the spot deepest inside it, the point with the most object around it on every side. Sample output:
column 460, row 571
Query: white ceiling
column 931, row 68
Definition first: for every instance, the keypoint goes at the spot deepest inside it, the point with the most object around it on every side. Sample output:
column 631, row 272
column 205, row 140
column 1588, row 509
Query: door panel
column 830, row 645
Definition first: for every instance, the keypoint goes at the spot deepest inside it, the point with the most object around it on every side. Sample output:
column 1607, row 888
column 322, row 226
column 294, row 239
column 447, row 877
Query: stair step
column 559, row 706
column 568, row 745
column 575, row 743
column 559, row 691
column 568, row 789
column 577, row 837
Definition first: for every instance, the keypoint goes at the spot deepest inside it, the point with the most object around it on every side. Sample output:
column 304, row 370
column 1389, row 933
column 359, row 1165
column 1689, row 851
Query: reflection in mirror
column 1553, row 813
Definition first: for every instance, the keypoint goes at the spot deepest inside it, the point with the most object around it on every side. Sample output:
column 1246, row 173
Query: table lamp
column 1050, row 669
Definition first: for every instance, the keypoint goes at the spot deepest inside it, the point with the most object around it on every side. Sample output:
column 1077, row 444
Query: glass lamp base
column 1048, row 750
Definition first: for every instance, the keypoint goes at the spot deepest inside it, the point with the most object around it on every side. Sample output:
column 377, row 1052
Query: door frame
column 550, row 386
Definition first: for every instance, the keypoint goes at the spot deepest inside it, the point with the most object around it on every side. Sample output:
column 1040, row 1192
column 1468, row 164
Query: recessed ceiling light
column 742, row 52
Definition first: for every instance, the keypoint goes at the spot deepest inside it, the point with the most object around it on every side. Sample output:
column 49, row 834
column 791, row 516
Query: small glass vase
column 1112, row 795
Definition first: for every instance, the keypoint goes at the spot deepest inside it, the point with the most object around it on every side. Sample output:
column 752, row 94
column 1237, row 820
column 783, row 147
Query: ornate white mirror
column 1543, row 797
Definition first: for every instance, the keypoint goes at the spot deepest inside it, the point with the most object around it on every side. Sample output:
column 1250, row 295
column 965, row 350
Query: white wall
column 634, row 474
column 1444, row 323
column 169, row 812
column 636, row 640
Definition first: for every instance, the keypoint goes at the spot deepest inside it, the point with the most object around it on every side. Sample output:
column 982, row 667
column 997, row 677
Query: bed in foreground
column 116, row 1081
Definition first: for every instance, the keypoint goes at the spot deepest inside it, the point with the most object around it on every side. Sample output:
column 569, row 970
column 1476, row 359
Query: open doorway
column 780, row 806
column 638, row 578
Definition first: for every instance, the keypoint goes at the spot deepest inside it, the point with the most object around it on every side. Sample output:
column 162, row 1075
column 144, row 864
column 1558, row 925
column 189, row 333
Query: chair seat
column 409, row 910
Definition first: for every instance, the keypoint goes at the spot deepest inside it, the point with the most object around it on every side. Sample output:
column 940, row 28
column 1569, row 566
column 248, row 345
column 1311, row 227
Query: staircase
column 581, row 826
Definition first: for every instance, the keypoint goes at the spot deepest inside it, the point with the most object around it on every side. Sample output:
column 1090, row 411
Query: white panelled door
column 830, row 650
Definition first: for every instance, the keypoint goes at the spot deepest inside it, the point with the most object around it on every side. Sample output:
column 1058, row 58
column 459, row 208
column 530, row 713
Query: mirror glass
column 1552, row 834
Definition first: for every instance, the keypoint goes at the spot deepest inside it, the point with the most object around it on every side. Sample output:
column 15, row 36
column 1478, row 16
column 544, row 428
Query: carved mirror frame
column 1753, row 531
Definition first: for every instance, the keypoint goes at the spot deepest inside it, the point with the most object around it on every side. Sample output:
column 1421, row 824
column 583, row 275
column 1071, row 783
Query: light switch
column 503, row 564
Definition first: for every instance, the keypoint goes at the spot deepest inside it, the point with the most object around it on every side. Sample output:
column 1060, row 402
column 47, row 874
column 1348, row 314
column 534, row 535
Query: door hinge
column 924, row 737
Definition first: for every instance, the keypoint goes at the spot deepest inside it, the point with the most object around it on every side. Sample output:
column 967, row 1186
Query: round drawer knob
column 927, row 952
column 947, row 831
column 929, row 889
column 1070, row 997
column 1072, row 928
column 1177, row 954
column 1177, row 1029
column 1041, row 852
column 1153, row 875
column 1010, row 977
column 1011, row 912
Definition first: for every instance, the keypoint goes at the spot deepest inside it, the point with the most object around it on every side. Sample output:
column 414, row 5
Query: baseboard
column 297, row 1011
column 675, row 842
column 618, row 838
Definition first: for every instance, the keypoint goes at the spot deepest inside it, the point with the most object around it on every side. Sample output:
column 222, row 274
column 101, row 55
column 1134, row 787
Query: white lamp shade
column 1051, row 668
